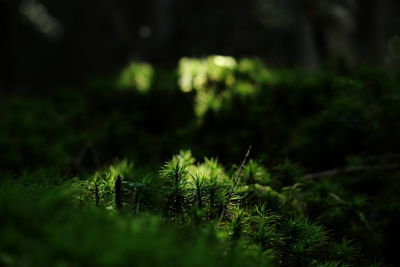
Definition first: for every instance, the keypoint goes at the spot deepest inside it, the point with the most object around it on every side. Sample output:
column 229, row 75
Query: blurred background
column 52, row 42
column 310, row 80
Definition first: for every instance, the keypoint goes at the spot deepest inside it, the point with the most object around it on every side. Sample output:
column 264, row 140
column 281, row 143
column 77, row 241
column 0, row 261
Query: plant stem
column 96, row 193
column 118, row 193
column 235, row 183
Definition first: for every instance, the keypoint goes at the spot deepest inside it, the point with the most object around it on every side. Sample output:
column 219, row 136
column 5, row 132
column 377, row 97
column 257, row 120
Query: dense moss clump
column 173, row 216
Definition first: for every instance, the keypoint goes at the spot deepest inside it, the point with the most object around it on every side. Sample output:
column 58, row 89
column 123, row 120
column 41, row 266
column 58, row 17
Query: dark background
column 52, row 42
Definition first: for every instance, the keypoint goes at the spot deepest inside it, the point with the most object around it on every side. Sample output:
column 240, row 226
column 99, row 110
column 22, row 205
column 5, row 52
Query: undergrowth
column 171, row 216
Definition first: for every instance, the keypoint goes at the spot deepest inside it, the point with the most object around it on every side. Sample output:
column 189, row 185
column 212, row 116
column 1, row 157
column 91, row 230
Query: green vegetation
column 66, row 199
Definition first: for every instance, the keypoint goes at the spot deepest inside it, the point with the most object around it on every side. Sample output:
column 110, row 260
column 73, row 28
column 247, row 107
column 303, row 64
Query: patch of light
column 137, row 76
column 224, row 61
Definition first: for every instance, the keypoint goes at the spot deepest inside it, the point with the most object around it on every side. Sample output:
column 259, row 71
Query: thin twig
column 234, row 184
column 135, row 199
column 96, row 193
column 133, row 196
column 118, row 193
column 137, row 204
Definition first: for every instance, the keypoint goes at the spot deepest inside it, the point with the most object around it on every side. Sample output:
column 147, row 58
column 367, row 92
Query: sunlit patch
column 123, row 168
column 137, row 76
column 222, row 61
column 217, row 79
column 194, row 73
column 209, row 170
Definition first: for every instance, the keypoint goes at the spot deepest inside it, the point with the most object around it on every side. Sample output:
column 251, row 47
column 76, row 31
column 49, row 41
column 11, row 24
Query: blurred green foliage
column 215, row 105
column 136, row 76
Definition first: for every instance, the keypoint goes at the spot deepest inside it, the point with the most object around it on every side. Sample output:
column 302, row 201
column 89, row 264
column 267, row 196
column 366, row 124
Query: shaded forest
column 71, row 40
column 186, row 133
